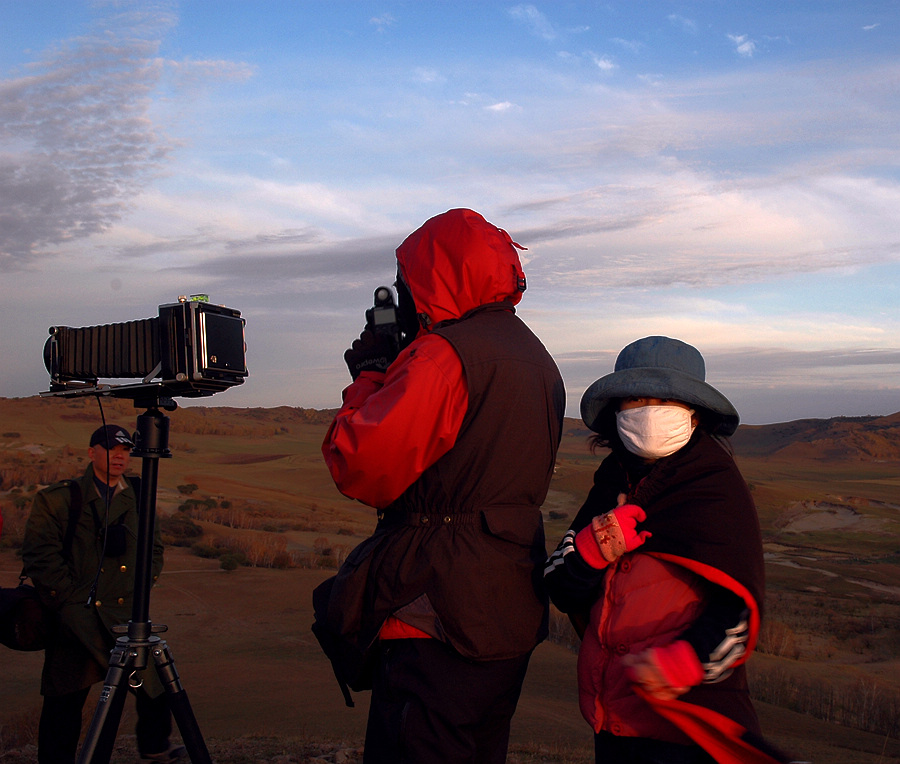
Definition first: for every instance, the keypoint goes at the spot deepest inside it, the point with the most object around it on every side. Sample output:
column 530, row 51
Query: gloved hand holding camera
column 373, row 351
column 379, row 344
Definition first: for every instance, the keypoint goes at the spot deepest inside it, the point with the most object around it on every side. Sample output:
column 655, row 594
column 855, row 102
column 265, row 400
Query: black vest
column 506, row 448
column 467, row 538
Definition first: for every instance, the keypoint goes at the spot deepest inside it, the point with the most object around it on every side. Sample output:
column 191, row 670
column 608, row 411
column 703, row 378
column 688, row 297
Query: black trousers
column 60, row 725
column 432, row 706
column 612, row 749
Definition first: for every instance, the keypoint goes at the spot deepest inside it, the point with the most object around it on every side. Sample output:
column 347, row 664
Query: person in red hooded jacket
column 454, row 443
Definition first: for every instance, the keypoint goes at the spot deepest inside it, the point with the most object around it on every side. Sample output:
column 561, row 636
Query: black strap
column 75, row 510
column 74, row 515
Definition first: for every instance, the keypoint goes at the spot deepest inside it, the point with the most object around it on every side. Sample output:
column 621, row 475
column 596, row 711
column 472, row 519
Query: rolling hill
column 837, row 439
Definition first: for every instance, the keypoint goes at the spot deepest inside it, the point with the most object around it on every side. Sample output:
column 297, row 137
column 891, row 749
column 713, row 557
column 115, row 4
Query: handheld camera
column 382, row 318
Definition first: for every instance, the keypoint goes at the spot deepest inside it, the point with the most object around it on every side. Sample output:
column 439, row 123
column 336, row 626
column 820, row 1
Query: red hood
column 457, row 261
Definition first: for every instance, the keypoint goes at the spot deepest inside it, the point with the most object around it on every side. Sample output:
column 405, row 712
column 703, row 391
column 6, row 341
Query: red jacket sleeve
column 393, row 426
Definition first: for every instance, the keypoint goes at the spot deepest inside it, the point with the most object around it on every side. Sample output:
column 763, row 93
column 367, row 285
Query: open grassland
column 257, row 681
column 249, row 486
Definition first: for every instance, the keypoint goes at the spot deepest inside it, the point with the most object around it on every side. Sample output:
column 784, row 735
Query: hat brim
column 657, row 383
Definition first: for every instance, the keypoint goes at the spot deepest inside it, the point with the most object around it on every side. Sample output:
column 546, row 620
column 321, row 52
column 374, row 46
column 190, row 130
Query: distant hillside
column 42, row 439
column 840, row 438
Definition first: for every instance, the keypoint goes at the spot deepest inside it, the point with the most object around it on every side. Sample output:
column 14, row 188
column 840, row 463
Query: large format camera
column 193, row 348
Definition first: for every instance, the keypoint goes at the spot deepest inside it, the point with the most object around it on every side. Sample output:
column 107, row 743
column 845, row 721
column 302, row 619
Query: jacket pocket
column 519, row 525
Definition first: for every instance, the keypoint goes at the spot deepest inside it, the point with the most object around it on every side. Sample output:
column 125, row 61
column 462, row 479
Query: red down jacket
column 455, row 444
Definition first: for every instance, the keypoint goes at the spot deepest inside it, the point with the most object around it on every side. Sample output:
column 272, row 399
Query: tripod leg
column 101, row 735
column 181, row 707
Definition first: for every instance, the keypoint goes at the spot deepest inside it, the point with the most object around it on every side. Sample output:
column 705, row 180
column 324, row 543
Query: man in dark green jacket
column 83, row 567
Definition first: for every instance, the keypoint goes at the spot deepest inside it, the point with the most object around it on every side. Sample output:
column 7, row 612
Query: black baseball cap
column 110, row 436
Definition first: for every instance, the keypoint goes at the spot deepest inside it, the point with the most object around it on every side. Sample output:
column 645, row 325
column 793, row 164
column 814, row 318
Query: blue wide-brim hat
column 659, row 367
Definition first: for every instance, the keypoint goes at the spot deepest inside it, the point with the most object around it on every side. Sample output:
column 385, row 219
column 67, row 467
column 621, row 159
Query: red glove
column 628, row 517
column 666, row 672
column 610, row 536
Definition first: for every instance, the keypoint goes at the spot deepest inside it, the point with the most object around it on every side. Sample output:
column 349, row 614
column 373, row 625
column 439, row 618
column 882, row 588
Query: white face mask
column 653, row 432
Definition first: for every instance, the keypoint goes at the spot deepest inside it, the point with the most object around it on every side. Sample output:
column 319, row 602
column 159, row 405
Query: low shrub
column 864, row 704
column 178, row 530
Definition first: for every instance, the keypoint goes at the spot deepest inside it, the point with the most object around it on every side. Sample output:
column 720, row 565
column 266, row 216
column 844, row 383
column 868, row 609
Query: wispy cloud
column 683, row 23
column 427, row 75
column 383, row 22
column 193, row 70
column 630, row 45
column 76, row 142
column 536, row 21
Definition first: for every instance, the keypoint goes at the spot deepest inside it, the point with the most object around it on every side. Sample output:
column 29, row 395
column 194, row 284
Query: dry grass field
column 253, row 482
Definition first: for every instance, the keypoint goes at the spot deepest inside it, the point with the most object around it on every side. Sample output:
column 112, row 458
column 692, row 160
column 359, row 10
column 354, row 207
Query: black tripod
column 133, row 652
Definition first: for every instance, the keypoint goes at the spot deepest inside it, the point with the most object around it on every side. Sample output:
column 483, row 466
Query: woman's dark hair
column 607, row 434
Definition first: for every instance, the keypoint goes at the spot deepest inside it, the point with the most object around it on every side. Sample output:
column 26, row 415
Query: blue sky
column 727, row 173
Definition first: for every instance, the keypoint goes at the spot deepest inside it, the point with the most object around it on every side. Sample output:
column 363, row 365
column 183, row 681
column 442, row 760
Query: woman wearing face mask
column 663, row 568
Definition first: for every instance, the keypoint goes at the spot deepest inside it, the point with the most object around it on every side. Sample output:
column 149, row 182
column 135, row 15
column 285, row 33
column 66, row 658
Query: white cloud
column 603, row 63
column 743, row 45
